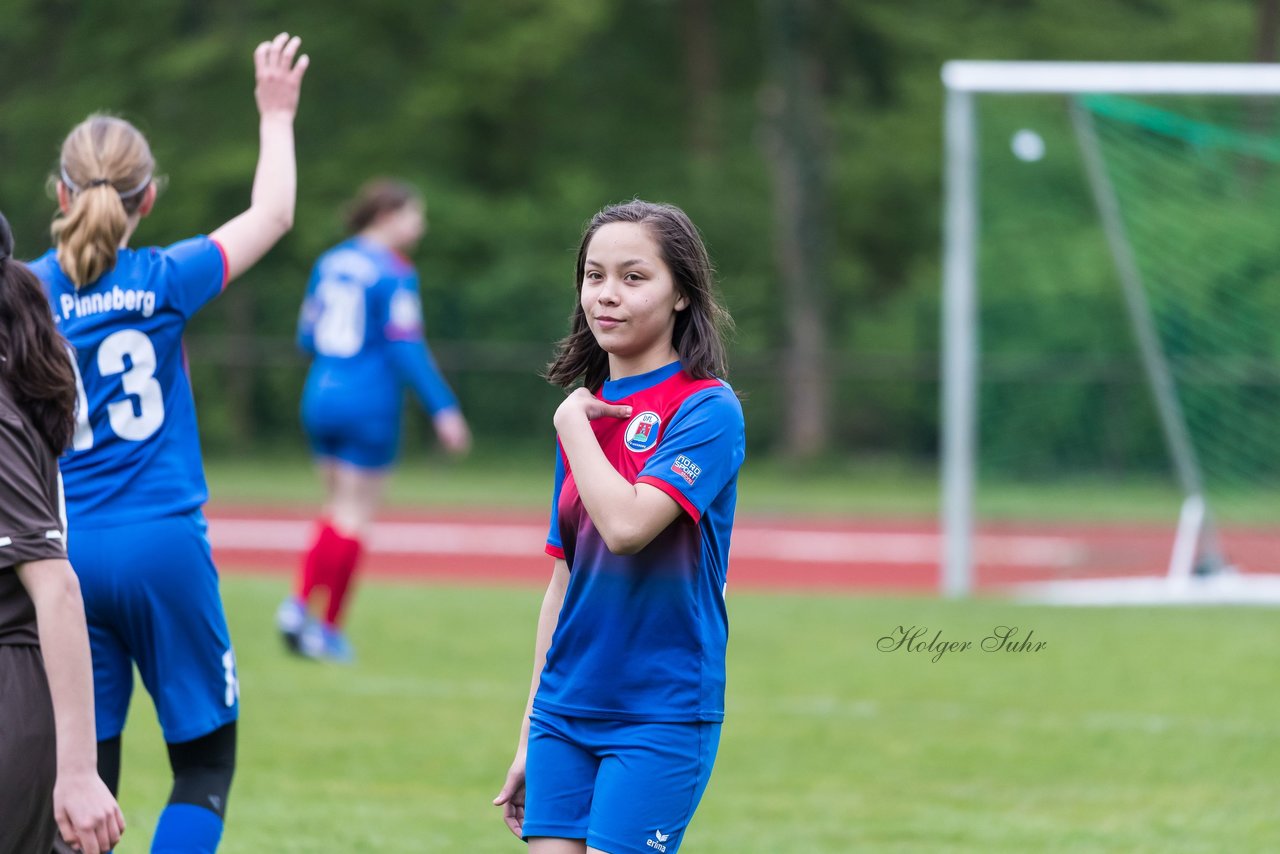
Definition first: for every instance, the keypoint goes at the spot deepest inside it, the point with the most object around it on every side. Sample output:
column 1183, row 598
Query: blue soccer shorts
column 151, row 598
column 623, row 786
column 365, row 440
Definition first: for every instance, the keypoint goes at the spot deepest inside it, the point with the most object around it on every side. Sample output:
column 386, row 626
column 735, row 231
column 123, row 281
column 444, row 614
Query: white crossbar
column 1135, row 78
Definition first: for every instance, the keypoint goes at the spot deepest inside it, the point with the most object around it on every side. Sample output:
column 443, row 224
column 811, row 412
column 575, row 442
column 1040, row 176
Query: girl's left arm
column 408, row 353
column 415, row 366
column 627, row 515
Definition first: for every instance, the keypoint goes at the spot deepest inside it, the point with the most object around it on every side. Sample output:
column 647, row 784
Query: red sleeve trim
column 555, row 551
column 226, row 267
column 675, row 494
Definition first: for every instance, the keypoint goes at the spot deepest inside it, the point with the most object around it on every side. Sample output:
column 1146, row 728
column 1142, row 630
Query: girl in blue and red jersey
column 134, row 478
column 361, row 322
column 627, row 697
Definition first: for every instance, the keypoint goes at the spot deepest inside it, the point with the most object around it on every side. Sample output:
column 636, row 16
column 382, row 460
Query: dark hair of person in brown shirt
column 34, row 362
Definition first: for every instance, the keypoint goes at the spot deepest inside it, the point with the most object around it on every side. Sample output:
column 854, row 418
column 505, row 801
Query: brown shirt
column 31, row 526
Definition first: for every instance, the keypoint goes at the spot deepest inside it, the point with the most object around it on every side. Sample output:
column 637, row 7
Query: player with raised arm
column 134, row 477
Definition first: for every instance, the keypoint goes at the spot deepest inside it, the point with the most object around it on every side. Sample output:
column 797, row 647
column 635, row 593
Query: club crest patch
column 642, row 432
column 405, row 317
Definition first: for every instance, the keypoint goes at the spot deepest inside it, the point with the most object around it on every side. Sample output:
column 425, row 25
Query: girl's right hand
column 279, row 78
column 581, row 403
column 511, row 798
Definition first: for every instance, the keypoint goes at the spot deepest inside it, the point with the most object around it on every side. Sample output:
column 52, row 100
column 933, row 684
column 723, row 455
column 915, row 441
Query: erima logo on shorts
column 642, row 432
column 658, row 839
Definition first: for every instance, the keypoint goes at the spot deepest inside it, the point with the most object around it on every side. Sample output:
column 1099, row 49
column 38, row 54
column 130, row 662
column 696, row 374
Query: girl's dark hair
column 701, row 327
column 377, row 197
column 35, row 363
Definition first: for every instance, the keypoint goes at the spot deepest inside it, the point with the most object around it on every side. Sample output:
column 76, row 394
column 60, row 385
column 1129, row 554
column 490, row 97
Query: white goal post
column 963, row 80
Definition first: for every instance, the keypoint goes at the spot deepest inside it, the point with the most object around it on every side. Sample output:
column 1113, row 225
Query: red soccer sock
column 345, row 555
column 319, row 558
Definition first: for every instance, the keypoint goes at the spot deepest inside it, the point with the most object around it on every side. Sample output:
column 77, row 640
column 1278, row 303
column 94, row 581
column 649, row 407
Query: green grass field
column 1131, row 731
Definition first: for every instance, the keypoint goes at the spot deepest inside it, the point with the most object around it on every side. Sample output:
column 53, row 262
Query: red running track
column 787, row 553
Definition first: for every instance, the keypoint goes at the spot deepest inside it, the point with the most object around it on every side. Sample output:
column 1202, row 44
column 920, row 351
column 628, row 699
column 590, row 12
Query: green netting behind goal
column 1065, row 402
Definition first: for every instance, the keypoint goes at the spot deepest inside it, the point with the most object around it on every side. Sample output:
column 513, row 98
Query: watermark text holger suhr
column 918, row 639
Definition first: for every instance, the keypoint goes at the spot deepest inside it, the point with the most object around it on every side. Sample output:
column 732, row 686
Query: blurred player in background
column 48, row 758
column 134, row 476
column 361, row 322
column 627, row 698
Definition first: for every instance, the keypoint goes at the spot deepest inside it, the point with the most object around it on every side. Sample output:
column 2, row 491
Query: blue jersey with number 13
column 136, row 452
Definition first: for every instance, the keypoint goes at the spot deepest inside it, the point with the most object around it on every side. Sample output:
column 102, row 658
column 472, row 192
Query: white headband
column 75, row 188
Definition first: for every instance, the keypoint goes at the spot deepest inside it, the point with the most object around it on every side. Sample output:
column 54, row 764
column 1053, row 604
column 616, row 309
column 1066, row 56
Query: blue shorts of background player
column 367, row 442
column 165, row 614
column 634, row 784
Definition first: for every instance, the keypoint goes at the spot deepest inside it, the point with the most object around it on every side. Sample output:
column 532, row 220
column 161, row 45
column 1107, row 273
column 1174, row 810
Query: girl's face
column 405, row 225
column 630, row 299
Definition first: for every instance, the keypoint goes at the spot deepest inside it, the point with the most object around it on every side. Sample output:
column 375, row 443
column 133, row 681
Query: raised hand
column 279, row 77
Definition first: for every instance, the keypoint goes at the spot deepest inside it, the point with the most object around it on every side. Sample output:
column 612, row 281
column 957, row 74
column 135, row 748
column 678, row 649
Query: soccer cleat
column 291, row 619
column 325, row 643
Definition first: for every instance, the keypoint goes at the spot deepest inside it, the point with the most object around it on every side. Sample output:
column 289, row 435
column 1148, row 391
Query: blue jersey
column 136, row 452
column 642, row 637
column 362, row 323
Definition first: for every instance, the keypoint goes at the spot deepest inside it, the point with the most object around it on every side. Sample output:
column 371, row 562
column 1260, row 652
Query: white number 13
column 128, row 421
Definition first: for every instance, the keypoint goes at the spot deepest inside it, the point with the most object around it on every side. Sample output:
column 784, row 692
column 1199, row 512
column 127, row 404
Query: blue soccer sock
column 187, row 829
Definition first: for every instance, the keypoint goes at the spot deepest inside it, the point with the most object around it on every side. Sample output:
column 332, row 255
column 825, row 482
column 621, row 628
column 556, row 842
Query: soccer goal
column 1111, row 331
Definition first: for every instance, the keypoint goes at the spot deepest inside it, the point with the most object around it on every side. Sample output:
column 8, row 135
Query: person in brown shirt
column 49, row 784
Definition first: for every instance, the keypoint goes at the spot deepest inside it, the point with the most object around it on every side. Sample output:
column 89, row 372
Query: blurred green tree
column 520, row 118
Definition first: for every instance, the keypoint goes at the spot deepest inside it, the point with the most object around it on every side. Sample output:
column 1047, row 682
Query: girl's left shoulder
column 715, row 399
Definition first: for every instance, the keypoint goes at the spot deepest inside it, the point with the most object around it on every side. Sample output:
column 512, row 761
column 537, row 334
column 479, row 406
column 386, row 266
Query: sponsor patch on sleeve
column 405, row 320
column 686, row 468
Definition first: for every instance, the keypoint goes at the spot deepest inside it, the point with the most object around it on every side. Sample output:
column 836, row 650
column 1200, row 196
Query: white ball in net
column 1027, row 145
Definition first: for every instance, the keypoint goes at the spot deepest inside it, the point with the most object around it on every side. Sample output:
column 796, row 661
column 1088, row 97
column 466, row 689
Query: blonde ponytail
column 106, row 168
column 89, row 234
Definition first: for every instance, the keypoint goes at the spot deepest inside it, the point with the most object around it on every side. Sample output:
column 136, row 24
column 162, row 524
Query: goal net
column 1112, row 339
